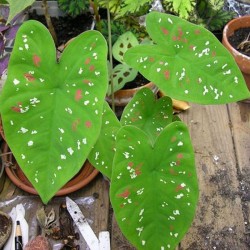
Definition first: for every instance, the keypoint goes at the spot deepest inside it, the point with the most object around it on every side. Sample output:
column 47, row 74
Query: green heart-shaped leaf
column 187, row 62
column 154, row 188
column 51, row 110
column 147, row 113
column 101, row 156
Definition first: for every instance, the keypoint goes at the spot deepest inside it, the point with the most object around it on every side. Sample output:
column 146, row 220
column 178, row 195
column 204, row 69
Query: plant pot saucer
column 16, row 175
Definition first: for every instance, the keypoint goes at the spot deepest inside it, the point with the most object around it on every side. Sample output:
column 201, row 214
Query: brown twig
column 245, row 44
column 49, row 22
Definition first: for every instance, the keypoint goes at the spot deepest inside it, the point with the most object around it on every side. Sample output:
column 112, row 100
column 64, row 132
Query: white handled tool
column 103, row 243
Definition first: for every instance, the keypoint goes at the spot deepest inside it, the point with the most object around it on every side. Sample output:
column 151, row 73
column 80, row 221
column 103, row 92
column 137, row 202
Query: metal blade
column 82, row 224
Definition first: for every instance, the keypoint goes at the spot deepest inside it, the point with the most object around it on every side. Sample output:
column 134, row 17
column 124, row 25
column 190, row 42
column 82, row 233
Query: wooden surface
column 221, row 139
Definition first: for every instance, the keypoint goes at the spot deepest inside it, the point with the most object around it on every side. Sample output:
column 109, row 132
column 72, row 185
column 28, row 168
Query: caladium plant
column 54, row 117
column 149, row 159
column 154, row 188
column 51, row 109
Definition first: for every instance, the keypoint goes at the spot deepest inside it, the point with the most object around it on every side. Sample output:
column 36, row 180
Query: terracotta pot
column 123, row 96
column 16, row 175
column 242, row 60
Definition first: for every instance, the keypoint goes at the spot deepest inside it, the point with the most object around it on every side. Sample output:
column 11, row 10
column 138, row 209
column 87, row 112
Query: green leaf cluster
column 122, row 8
column 211, row 14
column 181, row 8
column 74, row 7
column 122, row 73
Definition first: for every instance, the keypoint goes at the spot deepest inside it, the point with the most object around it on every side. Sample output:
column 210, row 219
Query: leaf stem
column 49, row 22
column 110, row 58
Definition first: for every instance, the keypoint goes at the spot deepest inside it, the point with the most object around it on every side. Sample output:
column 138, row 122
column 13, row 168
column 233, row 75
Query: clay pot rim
column 81, row 179
column 229, row 30
column 123, row 96
column 147, row 85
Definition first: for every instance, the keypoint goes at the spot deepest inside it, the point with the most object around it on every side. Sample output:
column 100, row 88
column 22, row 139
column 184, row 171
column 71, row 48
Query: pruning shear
column 94, row 243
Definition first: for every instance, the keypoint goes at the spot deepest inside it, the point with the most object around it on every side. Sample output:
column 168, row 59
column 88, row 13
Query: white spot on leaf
column 63, row 157
column 16, row 82
column 70, row 150
column 23, row 130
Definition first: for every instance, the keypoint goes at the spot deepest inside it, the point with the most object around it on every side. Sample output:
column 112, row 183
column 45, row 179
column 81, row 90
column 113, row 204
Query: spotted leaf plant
column 154, row 189
column 51, row 108
column 187, row 62
column 149, row 160
column 122, row 72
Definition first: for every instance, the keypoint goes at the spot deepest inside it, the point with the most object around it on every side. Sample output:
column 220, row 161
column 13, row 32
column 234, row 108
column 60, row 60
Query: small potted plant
column 124, row 75
column 236, row 39
column 55, row 117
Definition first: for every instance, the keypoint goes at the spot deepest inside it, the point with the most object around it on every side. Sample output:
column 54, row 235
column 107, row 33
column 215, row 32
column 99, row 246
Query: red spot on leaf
column 167, row 74
column 180, row 32
column 178, row 163
column 91, row 67
column 87, row 61
column 191, row 47
column 86, row 81
column 197, row 32
column 36, row 60
column 130, row 164
column 29, row 77
column 151, row 59
column 78, row 95
column 173, row 139
column 134, row 119
column 213, row 53
column 75, row 124
column 124, row 194
column 138, row 170
column 129, row 139
column 164, row 30
column 180, row 156
column 174, row 38
column 88, row 124
column 16, row 109
column 171, row 227
column 178, row 188
column 172, row 172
